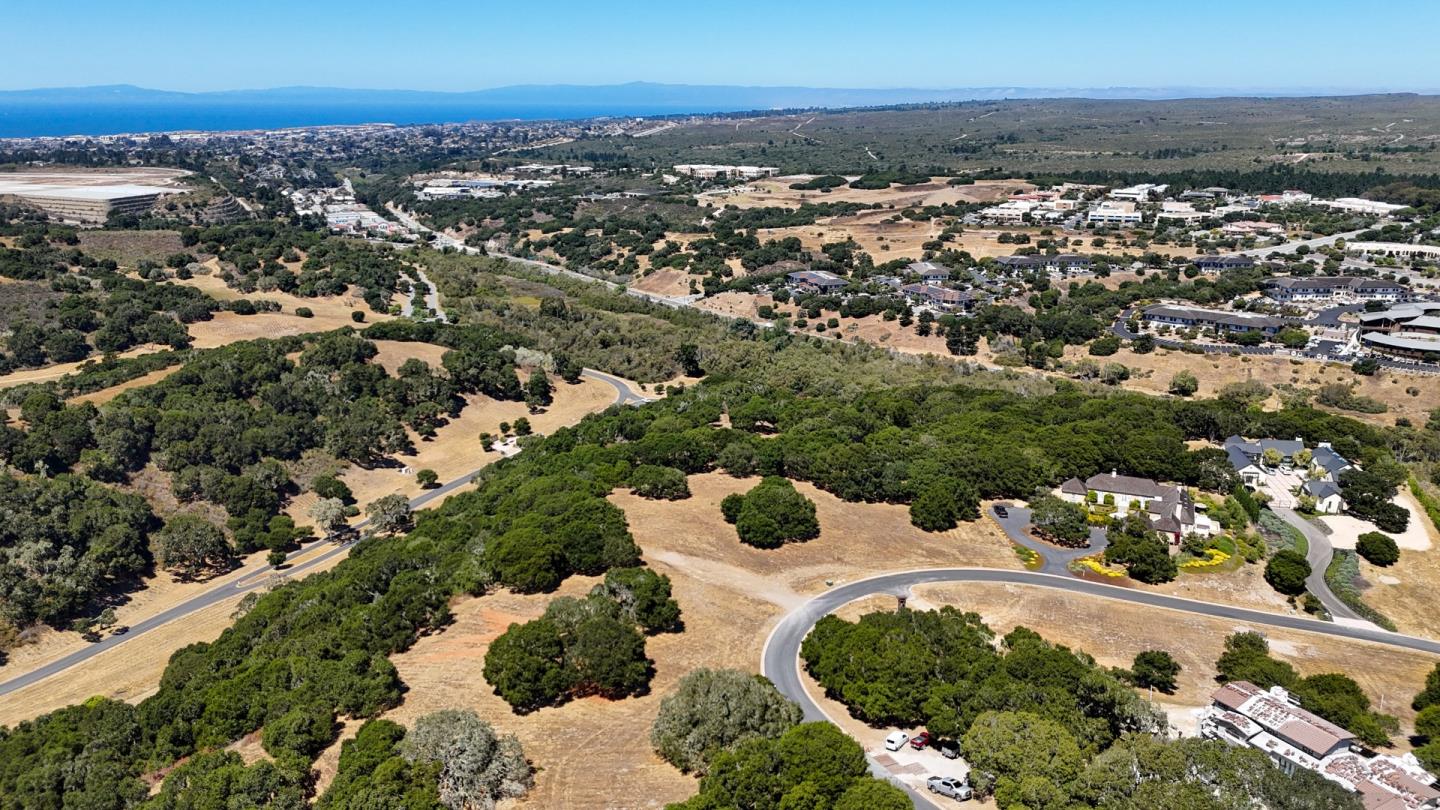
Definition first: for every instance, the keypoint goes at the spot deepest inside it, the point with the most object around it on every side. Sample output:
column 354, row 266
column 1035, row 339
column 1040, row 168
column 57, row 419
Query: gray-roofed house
column 1328, row 499
column 818, row 281
column 929, row 272
column 1170, row 509
column 1327, row 464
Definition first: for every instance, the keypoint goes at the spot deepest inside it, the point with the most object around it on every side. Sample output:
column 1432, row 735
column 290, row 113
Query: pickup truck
column 949, row 786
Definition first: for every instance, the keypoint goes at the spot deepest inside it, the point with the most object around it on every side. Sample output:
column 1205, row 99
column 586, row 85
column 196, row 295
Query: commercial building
column 929, row 272
column 1221, row 263
column 1180, row 212
column 940, row 297
column 1402, row 250
column 1408, row 330
column 1139, row 193
column 1251, row 227
column 1272, row 722
column 1329, row 288
column 709, row 171
column 1062, row 263
column 1219, row 320
column 1361, row 206
column 1115, row 213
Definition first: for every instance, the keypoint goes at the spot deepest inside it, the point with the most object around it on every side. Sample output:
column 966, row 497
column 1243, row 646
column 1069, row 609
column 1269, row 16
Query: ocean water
column 33, row 120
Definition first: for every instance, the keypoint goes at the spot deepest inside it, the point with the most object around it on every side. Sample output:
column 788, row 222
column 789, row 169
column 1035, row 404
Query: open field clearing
column 777, row 192
column 1345, row 530
column 104, row 395
column 326, row 306
column 455, row 451
column 58, row 370
column 730, row 595
column 1113, row 632
column 128, row 248
column 1405, row 591
column 1151, row 373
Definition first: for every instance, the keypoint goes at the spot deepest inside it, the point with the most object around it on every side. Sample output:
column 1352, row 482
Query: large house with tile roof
column 1170, row 509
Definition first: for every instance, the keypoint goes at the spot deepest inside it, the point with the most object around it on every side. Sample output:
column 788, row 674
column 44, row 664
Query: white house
column 1171, row 510
column 1328, row 499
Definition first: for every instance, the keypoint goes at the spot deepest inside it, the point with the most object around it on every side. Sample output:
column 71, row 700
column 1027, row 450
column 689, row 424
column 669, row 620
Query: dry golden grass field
column 730, row 594
column 1113, row 632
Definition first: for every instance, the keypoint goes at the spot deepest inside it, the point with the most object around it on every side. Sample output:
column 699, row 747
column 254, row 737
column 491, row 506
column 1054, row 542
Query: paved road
column 1318, row 555
column 1289, row 247
column 1056, row 560
column 780, row 660
column 251, row 579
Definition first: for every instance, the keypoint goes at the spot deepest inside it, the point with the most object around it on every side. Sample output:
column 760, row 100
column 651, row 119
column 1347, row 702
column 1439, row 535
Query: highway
column 780, row 659
column 260, row 576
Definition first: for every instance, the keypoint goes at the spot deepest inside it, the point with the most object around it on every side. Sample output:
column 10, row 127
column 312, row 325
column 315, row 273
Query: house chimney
column 1114, row 473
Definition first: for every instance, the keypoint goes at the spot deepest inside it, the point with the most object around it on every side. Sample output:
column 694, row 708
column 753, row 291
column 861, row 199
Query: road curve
column 259, row 576
column 780, row 659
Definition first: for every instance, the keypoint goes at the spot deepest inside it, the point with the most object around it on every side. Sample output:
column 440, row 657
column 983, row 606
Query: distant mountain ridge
column 111, row 109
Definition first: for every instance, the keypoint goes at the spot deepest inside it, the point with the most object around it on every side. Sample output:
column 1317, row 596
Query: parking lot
column 914, row 767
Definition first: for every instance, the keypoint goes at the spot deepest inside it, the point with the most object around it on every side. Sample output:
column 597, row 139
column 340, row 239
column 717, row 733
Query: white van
column 896, row 740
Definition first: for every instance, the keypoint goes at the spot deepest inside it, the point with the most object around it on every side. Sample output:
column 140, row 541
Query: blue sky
column 236, row 44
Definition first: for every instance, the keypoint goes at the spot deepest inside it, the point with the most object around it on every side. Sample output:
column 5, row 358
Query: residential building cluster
column 1321, row 472
column 1272, row 722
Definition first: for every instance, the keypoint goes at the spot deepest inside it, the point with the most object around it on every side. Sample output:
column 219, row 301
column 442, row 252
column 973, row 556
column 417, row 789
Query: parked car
column 895, row 740
column 949, row 786
column 920, row 740
column 948, row 749
column 1001, row 511
column 121, row 630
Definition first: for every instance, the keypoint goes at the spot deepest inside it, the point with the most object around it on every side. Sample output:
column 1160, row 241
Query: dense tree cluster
column 582, row 647
column 1145, row 555
column 1041, row 726
column 65, row 543
column 810, row 765
column 771, row 514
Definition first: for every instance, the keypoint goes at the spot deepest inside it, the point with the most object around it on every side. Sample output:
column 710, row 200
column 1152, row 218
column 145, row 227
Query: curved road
column 240, row 582
column 780, row 659
column 1318, row 553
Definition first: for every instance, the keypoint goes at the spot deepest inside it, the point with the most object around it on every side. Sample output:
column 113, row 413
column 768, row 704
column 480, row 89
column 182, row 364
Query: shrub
column 659, row 483
column 1286, row 572
column 477, row 766
column 714, row 710
column 1379, row 549
column 1155, row 668
column 305, row 312
column 357, row 316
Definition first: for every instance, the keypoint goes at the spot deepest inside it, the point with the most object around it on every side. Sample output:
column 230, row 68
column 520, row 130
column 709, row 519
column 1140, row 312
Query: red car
column 920, row 740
